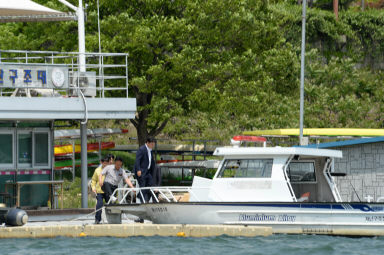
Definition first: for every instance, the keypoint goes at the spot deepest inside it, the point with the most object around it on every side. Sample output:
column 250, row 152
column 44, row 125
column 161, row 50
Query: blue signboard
column 33, row 76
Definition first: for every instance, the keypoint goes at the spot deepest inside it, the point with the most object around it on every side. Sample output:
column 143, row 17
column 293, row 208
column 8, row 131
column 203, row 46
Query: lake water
column 275, row 244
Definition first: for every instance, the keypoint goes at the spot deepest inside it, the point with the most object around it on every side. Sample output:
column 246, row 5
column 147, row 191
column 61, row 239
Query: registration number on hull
column 159, row 209
column 374, row 218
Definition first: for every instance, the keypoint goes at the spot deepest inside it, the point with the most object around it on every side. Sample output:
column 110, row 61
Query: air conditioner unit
column 86, row 81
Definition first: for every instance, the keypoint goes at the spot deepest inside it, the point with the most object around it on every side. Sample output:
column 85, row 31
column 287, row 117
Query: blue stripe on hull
column 364, row 207
column 333, row 206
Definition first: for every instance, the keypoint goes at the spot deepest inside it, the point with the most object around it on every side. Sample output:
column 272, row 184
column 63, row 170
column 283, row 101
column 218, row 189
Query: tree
column 217, row 67
column 181, row 49
column 249, row 65
column 156, row 35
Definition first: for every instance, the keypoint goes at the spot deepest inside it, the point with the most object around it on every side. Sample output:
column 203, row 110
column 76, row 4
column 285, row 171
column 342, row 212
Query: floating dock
column 80, row 229
column 77, row 229
column 130, row 230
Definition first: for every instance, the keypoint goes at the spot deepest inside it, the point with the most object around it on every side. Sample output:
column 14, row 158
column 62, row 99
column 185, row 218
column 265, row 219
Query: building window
column 302, row 171
column 246, row 168
column 6, row 149
column 33, row 149
column 41, row 149
column 25, row 148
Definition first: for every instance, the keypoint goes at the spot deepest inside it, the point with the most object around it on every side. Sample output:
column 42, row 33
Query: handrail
column 330, row 180
column 101, row 71
column 162, row 190
column 65, row 53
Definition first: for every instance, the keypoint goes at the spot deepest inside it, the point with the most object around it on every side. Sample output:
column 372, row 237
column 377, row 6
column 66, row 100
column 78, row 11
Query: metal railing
column 166, row 194
column 330, row 180
column 110, row 70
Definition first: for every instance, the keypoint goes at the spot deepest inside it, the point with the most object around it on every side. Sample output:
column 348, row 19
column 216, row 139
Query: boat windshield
column 246, row 168
column 302, row 171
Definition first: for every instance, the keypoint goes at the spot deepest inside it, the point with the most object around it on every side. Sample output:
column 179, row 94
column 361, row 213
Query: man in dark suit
column 145, row 165
column 156, row 176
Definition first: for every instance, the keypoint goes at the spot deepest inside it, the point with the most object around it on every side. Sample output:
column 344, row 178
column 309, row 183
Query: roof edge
column 345, row 143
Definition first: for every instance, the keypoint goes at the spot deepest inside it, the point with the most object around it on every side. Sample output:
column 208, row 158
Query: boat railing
column 172, row 194
column 330, row 180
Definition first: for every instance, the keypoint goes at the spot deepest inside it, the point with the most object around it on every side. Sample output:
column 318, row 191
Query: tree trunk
column 141, row 125
column 336, row 8
column 141, row 120
column 142, row 134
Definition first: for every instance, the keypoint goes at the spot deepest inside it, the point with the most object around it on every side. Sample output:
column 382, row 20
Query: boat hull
column 307, row 217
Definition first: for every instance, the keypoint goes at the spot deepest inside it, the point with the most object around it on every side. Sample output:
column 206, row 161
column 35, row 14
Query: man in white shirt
column 113, row 175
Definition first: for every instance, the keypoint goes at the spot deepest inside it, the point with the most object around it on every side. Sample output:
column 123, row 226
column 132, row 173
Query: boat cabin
column 270, row 174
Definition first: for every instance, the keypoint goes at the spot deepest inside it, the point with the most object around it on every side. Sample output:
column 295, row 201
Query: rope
column 74, row 219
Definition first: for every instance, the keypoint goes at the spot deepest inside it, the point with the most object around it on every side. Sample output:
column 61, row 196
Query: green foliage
column 328, row 5
column 40, row 35
column 213, row 68
column 153, row 32
column 72, row 195
column 254, row 84
column 247, row 61
column 340, row 95
column 368, row 27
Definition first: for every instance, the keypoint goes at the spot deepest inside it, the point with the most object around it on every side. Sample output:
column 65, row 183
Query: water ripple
column 271, row 245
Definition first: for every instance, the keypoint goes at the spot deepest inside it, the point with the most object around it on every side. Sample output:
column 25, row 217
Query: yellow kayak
column 65, row 149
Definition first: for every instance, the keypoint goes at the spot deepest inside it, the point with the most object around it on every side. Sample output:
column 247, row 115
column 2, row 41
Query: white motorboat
column 287, row 188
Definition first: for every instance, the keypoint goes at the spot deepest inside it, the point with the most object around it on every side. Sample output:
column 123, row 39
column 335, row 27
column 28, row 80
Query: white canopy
column 275, row 151
column 27, row 10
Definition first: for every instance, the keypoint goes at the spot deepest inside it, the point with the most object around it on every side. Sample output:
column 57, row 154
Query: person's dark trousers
column 145, row 181
column 108, row 189
column 99, row 204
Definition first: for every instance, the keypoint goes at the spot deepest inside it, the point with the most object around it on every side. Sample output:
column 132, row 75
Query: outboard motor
column 13, row 216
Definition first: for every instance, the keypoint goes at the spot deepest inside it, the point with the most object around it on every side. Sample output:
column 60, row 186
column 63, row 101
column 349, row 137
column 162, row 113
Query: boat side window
column 246, row 168
column 302, row 171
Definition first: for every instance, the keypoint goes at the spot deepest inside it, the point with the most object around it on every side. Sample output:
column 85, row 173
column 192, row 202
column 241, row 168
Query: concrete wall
column 364, row 166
